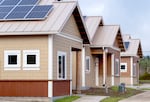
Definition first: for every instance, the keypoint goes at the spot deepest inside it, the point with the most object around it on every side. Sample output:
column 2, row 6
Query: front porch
column 105, row 63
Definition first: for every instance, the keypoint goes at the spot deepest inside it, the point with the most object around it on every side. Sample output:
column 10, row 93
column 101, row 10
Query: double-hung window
column 12, row 59
column 87, row 64
column 61, row 63
column 31, row 59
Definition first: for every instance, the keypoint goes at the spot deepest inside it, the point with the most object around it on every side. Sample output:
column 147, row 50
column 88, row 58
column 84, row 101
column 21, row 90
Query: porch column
column 97, row 71
column 83, row 67
column 131, row 68
column 112, row 69
column 78, row 71
column 104, row 66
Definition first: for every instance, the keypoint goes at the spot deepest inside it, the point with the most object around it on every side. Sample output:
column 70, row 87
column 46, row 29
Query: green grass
column 114, row 88
column 112, row 99
column 145, row 88
column 67, row 99
column 115, row 98
column 144, row 81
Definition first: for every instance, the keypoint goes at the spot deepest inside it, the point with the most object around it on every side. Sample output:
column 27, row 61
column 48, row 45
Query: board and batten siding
column 24, row 43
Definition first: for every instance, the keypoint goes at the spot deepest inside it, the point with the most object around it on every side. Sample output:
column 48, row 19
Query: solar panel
column 4, row 11
column 40, row 12
column 2, row 15
column 1, row 1
column 28, row 2
column 19, row 12
column 23, row 10
column 10, row 2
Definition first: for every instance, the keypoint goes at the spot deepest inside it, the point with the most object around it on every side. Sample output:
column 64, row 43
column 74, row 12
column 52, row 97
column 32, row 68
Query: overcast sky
column 132, row 15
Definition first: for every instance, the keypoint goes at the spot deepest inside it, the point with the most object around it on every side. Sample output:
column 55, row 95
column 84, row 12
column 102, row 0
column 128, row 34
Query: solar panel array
column 23, row 10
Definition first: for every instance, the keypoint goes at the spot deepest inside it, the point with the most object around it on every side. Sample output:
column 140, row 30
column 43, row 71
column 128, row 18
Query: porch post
column 131, row 68
column 83, row 67
column 104, row 66
column 97, row 71
column 78, row 71
column 112, row 69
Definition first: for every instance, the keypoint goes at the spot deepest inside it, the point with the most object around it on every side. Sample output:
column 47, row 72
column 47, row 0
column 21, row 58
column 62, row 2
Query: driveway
column 143, row 97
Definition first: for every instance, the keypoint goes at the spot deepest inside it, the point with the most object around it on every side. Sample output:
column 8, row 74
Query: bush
column 146, row 76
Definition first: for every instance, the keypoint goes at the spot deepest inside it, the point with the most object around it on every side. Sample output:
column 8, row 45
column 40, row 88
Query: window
column 87, row 63
column 126, row 44
column 117, row 67
column 31, row 59
column 123, row 67
column 61, row 63
column 134, row 69
column 12, row 59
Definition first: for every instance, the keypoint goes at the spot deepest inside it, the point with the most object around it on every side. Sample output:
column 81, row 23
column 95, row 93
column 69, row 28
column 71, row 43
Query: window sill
column 31, row 68
column 117, row 75
column 11, row 68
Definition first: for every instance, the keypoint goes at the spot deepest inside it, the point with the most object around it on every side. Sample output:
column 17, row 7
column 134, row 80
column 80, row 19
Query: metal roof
column 92, row 23
column 54, row 23
column 134, row 48
column 106, row 35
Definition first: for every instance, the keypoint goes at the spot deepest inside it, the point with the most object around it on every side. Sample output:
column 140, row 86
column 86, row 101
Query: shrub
column 146, row 76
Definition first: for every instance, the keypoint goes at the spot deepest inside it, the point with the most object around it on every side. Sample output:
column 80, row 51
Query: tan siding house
column 105, row 48
column 43, row 57
column 130, row 61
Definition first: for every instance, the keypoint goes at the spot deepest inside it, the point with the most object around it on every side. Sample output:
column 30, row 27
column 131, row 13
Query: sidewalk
column 90, row 98
column 143, row 97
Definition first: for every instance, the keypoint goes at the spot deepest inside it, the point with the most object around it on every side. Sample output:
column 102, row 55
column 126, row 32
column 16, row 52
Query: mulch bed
column 102, row 92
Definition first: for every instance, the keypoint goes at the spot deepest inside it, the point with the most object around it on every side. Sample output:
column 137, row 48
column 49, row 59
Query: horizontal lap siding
column 126, row 60
column 90, row 76
column 24, row 88
column 21, row 43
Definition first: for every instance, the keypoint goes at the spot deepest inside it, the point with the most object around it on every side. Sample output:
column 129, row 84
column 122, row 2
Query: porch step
column 25, row 99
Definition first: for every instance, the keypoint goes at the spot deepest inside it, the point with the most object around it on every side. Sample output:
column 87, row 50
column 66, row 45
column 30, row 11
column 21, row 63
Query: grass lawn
column 144, row 81
column 115, row 96
column 67, row 99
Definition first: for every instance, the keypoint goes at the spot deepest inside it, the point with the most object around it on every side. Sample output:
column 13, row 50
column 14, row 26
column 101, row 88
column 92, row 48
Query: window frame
column 118, row 69
column 125, row 70
column 31, row 66
column 8, row 66
column 61, row 53
column 87, row 58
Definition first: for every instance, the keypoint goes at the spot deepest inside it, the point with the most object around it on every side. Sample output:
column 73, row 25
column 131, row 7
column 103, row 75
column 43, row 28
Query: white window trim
column 117, row 60
column 87, row 70
column 12, row 67
column 31, row 67
column 125, row 70
column 60, row 53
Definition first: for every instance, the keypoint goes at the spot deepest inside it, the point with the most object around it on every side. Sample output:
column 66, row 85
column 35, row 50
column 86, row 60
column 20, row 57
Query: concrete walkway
column 90, row 98
column 143, row 97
